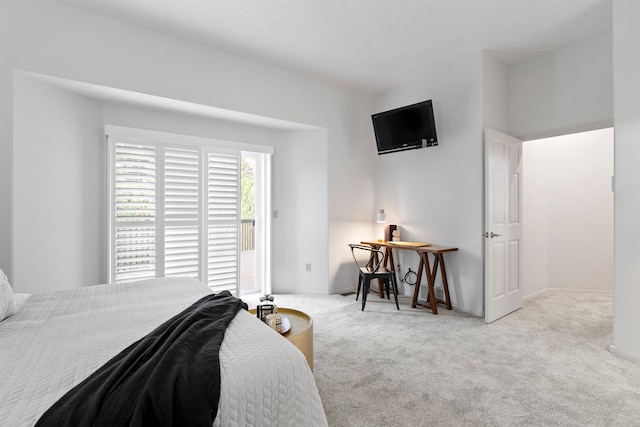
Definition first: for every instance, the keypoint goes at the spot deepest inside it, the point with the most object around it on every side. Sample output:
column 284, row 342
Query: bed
column 54, row 341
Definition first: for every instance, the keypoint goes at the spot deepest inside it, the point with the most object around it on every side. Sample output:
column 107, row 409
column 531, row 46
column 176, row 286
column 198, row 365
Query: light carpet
column 545, row 365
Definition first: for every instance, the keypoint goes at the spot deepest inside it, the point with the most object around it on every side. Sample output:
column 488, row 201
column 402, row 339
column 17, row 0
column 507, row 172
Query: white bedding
column 56, row 340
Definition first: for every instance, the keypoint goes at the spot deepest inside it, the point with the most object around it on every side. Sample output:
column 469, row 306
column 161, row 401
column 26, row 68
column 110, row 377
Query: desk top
column 416, row 246
column 408, row 244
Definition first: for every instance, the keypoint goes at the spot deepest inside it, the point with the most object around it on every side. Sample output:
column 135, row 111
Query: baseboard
column 535, row 294
column 344, row 291
column 592, row 291
column 624, row 354
column 473, row 313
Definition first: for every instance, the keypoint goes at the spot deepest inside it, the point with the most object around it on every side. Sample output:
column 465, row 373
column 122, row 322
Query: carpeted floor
column 546, row 364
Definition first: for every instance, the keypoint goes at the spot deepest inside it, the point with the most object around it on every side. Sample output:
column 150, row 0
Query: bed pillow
column 7, row 302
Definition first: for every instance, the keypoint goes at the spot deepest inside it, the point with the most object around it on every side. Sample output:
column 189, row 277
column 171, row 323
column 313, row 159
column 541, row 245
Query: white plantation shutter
column 134, row 200
column 175, row 207
column 223, row 206
column 181, row 212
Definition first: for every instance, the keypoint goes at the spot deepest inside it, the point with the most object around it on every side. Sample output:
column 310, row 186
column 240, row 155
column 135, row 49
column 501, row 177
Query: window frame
column 204, row 146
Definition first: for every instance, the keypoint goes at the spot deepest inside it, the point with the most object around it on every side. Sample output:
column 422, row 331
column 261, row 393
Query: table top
column 300, row 321
column 416, row 246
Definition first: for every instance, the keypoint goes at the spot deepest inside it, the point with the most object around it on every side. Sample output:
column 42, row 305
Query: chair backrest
column 372, row 251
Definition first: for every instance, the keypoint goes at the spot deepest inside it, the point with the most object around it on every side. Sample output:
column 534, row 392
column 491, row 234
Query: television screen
column 405, row 128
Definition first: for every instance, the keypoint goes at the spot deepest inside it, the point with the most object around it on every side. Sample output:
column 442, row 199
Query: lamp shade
column 381, row 217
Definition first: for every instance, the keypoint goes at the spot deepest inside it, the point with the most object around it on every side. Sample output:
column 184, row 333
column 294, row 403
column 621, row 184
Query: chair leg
column 359, row 284
column 386, row 287
column 365, row 291
column 394, row 285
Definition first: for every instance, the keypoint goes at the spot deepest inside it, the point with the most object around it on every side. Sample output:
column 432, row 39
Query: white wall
column 300, row 198
column 350, row 181
column 626, row 65
column 535, row 228
column 435, row 194
column 172, row 122
column 58, row 40
column 495, row 94
column 58, row 196
column 568, row 90
column 568, row 212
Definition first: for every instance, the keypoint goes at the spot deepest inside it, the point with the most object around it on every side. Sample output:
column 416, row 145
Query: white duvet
column 56, row 340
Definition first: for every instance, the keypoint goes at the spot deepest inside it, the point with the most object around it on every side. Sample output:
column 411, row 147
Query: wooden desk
column 423, row 252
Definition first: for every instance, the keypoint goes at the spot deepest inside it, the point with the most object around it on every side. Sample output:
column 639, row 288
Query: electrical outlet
column 308, row 266
column 275, row 214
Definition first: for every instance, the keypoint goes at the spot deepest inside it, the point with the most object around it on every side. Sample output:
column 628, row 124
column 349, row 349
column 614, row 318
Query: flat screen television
column 405, row 128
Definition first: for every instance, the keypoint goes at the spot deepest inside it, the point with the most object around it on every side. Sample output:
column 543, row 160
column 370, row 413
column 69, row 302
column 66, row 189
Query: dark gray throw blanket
column 171, row 377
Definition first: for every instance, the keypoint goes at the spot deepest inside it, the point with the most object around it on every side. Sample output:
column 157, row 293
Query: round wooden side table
column 301, row 332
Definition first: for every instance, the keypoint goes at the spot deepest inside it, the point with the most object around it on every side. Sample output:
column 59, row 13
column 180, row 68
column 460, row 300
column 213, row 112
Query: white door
column 503, row 225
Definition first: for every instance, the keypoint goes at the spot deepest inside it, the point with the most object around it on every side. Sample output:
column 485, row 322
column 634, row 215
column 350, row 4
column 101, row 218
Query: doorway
column 564, row 210
column 254, row 224
column 568, row 212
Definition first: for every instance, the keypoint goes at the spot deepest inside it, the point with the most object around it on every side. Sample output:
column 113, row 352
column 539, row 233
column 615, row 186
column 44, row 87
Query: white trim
column 266, row 213
column 202, row 216
column 111, row 220
column 567, row 290
column 176, row 138
column 624, row 354
column 159, row 216
column 602, row 124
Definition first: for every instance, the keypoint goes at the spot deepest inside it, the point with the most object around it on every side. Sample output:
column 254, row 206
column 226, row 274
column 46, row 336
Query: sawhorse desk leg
column 424, row 266
column 432, row 302
column 443, row 272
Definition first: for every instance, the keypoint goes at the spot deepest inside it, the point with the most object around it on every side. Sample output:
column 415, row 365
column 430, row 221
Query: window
column 175, row 209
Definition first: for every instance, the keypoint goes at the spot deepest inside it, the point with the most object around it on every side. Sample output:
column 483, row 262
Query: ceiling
column 367, row 45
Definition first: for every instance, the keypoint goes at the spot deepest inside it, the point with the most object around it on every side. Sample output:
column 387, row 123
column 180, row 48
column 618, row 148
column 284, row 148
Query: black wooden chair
column 374, row 270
